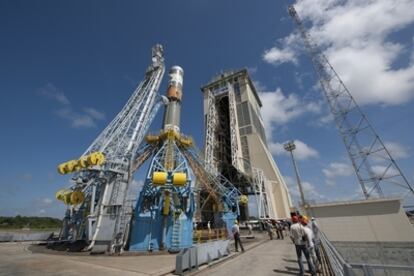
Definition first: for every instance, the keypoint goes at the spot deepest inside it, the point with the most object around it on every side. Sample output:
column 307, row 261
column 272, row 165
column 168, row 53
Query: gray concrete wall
column 9, row 236
column 375, row 231
column 375, row 220
column 389, row 253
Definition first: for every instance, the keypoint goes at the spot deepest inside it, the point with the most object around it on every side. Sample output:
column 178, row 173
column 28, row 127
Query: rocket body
column 174, row 94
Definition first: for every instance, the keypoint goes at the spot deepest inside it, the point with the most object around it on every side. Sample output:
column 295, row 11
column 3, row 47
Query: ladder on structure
column 175, row 240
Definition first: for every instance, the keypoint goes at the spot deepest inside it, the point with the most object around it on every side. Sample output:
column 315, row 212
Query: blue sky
column 67, row 68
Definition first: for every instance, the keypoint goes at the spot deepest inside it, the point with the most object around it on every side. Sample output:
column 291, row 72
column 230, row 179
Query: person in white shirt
column 250, row 228
column 236, row 234
column 316, row 238
column 311, row 242
column 301, row 237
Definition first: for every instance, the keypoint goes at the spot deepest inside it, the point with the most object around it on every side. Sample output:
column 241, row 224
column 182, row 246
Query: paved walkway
column 275, row 257
column 16, row 259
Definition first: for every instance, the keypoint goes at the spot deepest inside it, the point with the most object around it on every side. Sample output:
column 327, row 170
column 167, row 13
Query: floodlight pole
column 290, row 146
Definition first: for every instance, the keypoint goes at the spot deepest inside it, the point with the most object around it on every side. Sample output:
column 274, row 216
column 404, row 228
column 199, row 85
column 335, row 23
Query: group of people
column 272, row 225
column 268, row 225
column 304, row 233
column 306, row 237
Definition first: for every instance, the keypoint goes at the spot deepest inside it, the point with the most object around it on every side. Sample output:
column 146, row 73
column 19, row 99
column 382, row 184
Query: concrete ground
column 262, row 257
column 17, row 259
column 275, row 257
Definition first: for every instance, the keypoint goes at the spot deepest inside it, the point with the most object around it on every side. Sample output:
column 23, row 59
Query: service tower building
column 235, row 145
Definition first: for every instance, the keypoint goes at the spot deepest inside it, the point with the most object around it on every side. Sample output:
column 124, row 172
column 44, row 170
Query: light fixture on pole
column 290, row 146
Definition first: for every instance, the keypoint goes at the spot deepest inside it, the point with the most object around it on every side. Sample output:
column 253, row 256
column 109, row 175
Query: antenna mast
column 373, row 163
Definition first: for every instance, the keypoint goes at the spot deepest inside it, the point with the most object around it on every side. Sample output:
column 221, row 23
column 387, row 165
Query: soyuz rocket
column 174, row 94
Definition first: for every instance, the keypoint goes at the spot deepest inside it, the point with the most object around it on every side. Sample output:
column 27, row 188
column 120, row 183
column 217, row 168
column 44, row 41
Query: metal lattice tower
column 374, row 166
column 260, row 192
column 121, row 138
column 103, row 216
column 211, row 125
column 234, row 137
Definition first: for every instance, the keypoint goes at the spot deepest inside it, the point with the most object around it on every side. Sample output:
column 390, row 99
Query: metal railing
column 337, row 263
column 205, row 235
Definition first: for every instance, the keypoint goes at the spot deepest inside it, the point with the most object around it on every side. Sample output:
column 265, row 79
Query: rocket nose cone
column 176, row 69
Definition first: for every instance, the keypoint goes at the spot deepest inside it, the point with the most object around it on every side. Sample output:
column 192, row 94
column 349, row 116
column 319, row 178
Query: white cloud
column 77, row 120
column 302, row 151
column 309, row 190
column 324, row 120
column 84, row 119
column 42, row 211
column 278, row 109
column 336, row 169
column 396, row 150
column 384, row 171
column 356, row 37
column 96, row 114
column 277, row 55
column 50, row 91
column 286, row 51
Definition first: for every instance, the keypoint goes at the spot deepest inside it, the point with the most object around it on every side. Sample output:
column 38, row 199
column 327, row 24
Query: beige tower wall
column 261, row 158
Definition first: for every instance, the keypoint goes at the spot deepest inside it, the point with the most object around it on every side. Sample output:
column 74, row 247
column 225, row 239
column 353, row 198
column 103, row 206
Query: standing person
column 236, row 234
column 310, row 243
column 316, row 239
column 288, row 224
column 279, row 230
column 299, row 237
column 269, row 229
column 250, row 228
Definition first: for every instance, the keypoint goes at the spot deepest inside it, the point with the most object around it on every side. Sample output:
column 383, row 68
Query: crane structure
column 100, row 217
column 375, row 168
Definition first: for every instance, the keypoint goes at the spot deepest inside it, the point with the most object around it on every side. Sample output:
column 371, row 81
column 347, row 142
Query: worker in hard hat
column 316, row 238
column 311, row 243
column 236, row 235
column 300, row 237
